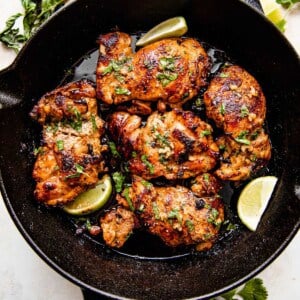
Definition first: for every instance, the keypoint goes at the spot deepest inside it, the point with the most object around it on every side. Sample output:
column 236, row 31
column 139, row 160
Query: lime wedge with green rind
column 254, row 199
column 174, row 27
column 91, row 200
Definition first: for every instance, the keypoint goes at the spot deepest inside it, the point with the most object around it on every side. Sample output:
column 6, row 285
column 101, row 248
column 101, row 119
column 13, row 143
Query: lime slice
column 273, row 12
column 254, row 199
column 170, row 28
column 91, row 200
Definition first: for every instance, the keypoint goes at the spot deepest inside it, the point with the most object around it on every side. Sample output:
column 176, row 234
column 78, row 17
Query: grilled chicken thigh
column 70, row 158
column 240, row 160
column 175, row 144
column 171, row 70
column 175, row 214
column 235, row 101
column 117, row 225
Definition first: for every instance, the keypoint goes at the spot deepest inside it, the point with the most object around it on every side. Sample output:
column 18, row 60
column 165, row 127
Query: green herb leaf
column 77, row 122
column 287, row 3
column 190, row 225
column 166, row 78
column 242, row 138
column 119, row 179
column 128, row 199
column 122, row 91
column 156, row 211
column 167, row 63
column 146, row 184
column 38, row 150
column 147, row 163
column 60, row 145
column 11, row 36
column 94, row 124
column 229, row 295
column 205, row 133
column 35, row 13
column 254, row 290
column 223, row 75
column 222, row 109
column 113, row 149
column 79, row 171
column 244, row 111
column 199, row 102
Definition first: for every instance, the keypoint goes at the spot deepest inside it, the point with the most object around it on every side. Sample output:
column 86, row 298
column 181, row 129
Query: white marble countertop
column 24, row 276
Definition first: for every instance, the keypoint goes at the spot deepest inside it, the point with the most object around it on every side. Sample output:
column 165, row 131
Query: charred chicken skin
column 70, row 158
column 170, row 70
column 175, row 144
column 235, row 101
column 175, row 214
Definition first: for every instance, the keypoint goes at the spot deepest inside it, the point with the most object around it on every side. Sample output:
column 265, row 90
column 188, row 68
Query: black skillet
column 229, row 25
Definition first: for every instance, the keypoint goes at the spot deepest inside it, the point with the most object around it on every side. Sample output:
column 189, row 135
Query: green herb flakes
column 119, row 179
column 38, row 150
column 60, row 145
column 166, row 78
column 242, row 138
column 122, row 91
column 113, row 149
column 79, row 171
column 128, row 199
column 244, row 111
column 190, row 225
column 222, row 109
column 155, row 211
column 94, row 124
column 205, row 133
column 147, row 163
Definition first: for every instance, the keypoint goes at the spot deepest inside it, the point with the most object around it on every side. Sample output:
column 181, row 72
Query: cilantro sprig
column 287, row 3
column 252, row 290
column 35, row 14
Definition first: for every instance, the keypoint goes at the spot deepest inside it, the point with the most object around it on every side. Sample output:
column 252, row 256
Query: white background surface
column 24, row 276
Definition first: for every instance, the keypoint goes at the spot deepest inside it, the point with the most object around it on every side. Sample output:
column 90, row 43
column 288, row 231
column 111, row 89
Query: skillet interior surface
column 228, row 25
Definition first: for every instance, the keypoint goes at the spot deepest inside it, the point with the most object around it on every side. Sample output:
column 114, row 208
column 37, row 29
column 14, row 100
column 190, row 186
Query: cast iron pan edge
column 75, row 280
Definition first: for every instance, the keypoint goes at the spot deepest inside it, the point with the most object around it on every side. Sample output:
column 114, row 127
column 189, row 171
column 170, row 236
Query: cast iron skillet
column 229, row 25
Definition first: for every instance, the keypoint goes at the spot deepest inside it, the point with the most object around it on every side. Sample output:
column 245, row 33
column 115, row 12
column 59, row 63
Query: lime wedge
column 273, row 12
column 91, row 200
column 173, row 27
column 254, row 199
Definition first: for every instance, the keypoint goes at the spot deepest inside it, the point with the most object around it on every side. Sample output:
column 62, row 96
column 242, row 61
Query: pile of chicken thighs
column 156, row 138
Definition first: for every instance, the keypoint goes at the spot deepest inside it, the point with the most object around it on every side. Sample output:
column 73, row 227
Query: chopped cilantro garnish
column 60, row 145
column 166, row 77
column 79, row 171
column 122, row 91
column 128, row 199
column 242, row 138
column 113, row 149
column 93, row 120
column 147, row 163
column 38, row 150
column 222, row 109
column 244, row 111
column 118, row 178
column 155, row 210
column 190, row 225
column 205, row 133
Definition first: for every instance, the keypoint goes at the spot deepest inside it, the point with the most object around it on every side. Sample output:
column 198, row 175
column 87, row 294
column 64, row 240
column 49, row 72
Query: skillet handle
column 90, row 295
column 11, row 88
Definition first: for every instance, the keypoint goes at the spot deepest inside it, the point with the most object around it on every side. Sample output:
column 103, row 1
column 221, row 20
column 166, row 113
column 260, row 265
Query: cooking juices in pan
column 142, row 244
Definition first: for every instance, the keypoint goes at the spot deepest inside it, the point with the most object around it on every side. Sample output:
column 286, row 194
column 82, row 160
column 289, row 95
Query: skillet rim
column 72, row 278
